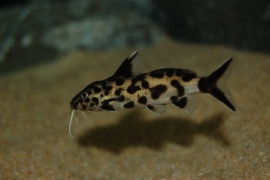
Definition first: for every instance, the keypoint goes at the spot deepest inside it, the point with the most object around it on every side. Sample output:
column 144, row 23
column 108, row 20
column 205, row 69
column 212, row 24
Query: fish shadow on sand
column 132, row 130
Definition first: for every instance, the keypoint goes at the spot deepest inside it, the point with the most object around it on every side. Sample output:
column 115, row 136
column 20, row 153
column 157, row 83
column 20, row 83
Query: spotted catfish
column 130, row 88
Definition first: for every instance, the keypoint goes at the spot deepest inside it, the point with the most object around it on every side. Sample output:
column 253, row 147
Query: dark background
column 38, row 31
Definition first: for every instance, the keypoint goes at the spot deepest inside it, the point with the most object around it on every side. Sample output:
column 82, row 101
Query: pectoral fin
column 157, row 109
column 108, row 105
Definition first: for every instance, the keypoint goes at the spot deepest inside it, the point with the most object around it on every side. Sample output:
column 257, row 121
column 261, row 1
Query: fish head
column 86, row 100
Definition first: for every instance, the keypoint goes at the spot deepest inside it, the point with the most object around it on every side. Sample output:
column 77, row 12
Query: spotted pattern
column 118, row 92
column 121, row 98
column 130, row 104
column 169, row 72
column 96, row 89
column 145, row 84
column 158, row 91
column 108, row 88
column 178, row 86
column 87, row 100
column 95, row 100
column 142, row 100
column 133, row 89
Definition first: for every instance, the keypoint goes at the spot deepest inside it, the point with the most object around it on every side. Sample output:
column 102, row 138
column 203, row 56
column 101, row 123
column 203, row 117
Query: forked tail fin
column 215, row 84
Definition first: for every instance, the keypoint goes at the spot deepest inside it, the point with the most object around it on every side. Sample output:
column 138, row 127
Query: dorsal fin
column 130, row 67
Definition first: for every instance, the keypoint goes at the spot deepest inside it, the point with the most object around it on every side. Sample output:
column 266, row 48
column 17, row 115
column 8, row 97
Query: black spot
column 91, row 104
column 101, row 95
column 120, row 81
column 157, row 91
column 96, row 89
column 121, row 98
column 129, row 105
column 169, row 72
column 179, row 72
column 188, row 77
column 145, row 84
column 181, row 103
column 108, row 88
column 106, row 107
column 95, row 100
column 84, row 106
column 118, row 92
column 154, row 95
column 160, row 88
column 132, row 89
column 80, row 101
column 106, row 93
column 180, row 90
column 87, row 100
column 142, row 100
column 175, row 83
column 157, row 74
column 174, row 98
column 178, row 86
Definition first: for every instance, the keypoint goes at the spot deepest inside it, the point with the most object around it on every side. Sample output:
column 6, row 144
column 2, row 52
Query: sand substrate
column 211, row 143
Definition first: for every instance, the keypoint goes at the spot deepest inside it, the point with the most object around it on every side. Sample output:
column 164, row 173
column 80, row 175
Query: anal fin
column 187, row 103
column 157, row 109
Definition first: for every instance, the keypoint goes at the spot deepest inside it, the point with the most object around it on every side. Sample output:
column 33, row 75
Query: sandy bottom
column 211, row 143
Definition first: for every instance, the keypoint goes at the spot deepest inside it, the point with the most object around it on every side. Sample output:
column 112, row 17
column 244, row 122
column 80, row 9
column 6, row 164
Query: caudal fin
column 215, row 84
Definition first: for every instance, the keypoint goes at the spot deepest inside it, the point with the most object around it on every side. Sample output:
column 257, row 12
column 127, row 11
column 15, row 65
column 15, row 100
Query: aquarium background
column 50, row 50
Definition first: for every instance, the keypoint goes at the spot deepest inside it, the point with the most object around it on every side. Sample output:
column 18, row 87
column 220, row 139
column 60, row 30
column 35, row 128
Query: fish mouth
column 82, row 107
column 73, row 106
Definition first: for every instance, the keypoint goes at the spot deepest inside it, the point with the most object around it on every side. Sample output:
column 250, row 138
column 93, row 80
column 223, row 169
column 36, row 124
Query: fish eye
column 84, row 94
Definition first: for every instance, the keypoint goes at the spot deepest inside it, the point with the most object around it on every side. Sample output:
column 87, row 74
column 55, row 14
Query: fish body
column 130, row 88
